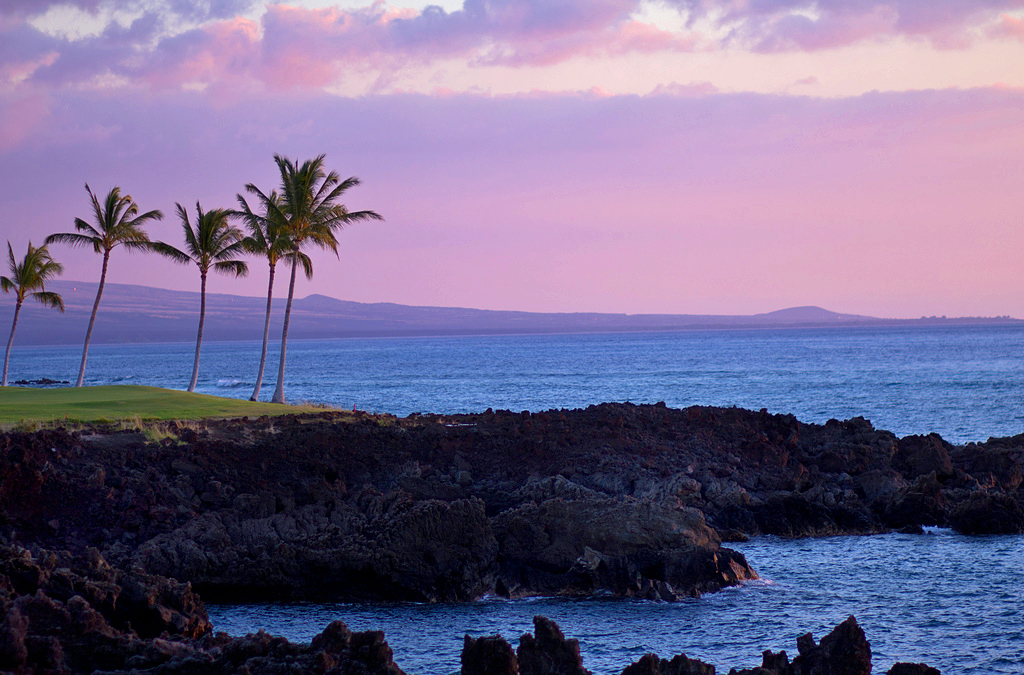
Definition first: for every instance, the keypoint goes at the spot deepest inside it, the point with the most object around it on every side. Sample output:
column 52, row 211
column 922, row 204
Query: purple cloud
column 297, row 48
column 782, row 25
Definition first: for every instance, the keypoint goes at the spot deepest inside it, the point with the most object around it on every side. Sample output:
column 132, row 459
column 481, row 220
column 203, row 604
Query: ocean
column 951, row 601
column 963, row 382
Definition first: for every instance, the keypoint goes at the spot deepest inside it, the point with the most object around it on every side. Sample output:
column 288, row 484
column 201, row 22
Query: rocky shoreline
column 629, row 500
column 79, row 615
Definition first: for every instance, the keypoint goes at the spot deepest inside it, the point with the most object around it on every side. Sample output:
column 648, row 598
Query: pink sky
column 674, row 156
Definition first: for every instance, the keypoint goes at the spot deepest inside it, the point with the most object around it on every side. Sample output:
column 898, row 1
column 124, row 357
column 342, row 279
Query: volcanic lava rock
column 986, row 513
column 912, row 669
column 488, row 655
column 451, row 507
column 632, row 548
column 844, row 651
column 650, row 664
column 548, row 652
column 395, row 549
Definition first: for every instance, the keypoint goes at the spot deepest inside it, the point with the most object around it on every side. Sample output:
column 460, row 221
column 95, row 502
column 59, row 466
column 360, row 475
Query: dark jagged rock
column 844, row 651
column 66, row 615
column 912, row 669
column 650, row 664
column 354, row 506
column 635, row 549
column 399, row 550
column 985, row 513
column 548, row 652
column 488, row 655
column 920, row 455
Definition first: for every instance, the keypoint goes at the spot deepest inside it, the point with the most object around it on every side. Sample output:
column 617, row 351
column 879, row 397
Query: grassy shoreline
column 126, row 402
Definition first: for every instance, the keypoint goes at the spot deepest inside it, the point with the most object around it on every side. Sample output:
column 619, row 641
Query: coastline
column 629, row 500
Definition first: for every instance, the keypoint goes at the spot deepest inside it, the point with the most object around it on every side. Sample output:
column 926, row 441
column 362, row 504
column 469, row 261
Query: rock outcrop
column 642, row 548
column 844, row 651
column 67, row 615
column 631, row 500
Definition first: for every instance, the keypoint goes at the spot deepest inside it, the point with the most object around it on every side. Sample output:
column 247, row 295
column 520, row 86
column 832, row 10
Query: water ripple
column 951, row 601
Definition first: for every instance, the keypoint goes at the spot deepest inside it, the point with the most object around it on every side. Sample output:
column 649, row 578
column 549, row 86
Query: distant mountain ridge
column 133, row 313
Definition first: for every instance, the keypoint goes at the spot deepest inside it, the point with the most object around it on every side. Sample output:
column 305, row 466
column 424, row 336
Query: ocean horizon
column 965, row 383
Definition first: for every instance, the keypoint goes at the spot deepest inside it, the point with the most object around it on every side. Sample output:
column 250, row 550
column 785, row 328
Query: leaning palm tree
column 28, row 279
column 309, row 205
column 268, row 238
column 212, row 243
column 117, row 223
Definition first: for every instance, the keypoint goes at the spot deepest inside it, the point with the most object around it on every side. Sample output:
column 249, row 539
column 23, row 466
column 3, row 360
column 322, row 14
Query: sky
column 638, row 156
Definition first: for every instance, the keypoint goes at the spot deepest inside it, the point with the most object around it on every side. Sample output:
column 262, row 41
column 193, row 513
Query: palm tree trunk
column 199, row 337
column 92, row 319
column 279, row 390
column 266, row 336
column 10, row 341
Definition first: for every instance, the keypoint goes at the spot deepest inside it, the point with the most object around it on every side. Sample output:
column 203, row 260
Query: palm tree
column 309, row 205
column 211, row 243
column 34, row 270
column 117, row 223
column 268, row 238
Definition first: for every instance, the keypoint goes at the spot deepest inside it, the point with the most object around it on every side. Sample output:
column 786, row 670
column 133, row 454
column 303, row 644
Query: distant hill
column 131, row 313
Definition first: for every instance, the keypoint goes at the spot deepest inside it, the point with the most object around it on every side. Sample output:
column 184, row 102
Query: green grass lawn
column 91, row 404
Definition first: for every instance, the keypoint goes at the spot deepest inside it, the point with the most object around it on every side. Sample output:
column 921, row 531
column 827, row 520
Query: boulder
column 636, row 548
column 650, row 664
column 392, row 548
column 912, row 669
column 844, row 651
column 488, row 655
column 988, row 513
column 548, row 652
column 920, row 455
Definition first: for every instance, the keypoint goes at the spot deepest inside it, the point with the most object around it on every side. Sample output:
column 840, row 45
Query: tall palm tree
column 268, row 238
column 309, row 204
column 32, row 273
column 212, row 243
column 117, row 223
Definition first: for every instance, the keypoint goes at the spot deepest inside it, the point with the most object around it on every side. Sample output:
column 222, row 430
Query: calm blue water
column 951, row 601
column 966, row 383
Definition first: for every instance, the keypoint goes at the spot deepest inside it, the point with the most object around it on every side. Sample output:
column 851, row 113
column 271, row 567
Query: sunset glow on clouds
column 608, row 155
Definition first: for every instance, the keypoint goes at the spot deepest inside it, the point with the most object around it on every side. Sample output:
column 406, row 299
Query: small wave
column 757, row 583
column 231, row 384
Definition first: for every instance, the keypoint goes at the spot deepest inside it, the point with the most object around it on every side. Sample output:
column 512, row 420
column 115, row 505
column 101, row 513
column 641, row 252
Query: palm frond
column 227, row 250
column 235, row 267
column 31, row 273
column 76, row 240
column 137, row 222
column 307, row 265
column 310, row 207
column 116, row 223
column 50, row 299
column 169, row 251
